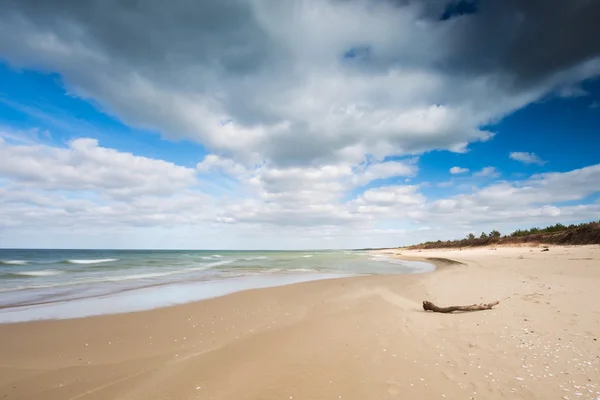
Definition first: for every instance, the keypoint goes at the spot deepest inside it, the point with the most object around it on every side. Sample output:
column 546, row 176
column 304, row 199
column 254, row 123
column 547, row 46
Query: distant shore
column 587, row 233
column 349, row 338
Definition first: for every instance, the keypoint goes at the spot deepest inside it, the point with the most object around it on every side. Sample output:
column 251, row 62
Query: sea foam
column 92, row 261
column 43, row 272
column 13, row 262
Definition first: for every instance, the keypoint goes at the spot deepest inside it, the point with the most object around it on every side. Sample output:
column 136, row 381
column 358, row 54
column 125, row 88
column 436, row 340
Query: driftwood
column 429, row 306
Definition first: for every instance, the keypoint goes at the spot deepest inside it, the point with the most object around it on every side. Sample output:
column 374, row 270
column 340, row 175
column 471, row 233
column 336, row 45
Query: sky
column 300, row 124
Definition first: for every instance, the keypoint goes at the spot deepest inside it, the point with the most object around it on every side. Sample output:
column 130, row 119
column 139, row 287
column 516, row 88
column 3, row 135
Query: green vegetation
column 549, row 229
column 584, row 233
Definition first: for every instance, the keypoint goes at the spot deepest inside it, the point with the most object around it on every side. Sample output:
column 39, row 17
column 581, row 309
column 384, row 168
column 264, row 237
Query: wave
column 92, row 261
column 214, row 256
column 388, row 260
column 307, row 256
column 13, row 262
column 117, row 278
column 272, row 271
column 43, row 272
column 165, row 273
column 205, row 266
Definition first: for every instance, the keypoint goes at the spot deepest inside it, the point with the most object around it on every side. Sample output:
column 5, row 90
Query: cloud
column 445, row 184
column 83, row 189
column 389, row 169
column 299, row 196
column 267, row 206
column 84, row 165
column 458, row 170
column 388, row 200
column 534, row 200
column 305, row 83
column 520, row 40
column 487, row 172
column 527, row 158
column 572, row 91
column 313, row 112
column 28, row 136
column 505, row 205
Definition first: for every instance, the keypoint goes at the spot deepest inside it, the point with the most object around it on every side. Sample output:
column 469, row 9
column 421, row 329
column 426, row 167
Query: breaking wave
column 43, row 272
column 92, row 261
column 13, row 262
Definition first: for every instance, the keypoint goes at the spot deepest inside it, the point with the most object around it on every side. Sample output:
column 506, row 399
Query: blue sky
column 37, row 100
column 103, row 146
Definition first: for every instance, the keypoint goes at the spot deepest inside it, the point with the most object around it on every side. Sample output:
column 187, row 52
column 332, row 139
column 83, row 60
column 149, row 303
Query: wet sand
column 350, row 338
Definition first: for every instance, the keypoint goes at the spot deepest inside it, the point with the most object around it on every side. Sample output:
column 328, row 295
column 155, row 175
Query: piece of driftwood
column 429, row 306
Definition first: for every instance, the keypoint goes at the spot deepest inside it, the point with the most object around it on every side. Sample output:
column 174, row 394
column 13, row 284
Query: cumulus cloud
column 487, row 172
column 526, row 158
column 38, row 191
column 503, row 204
column 84, row 186
column 299, row 196
column 385, row 170
column 155, row 192
column 458, row 170
column 84, row 165
column 304, row 82
column 305, row 106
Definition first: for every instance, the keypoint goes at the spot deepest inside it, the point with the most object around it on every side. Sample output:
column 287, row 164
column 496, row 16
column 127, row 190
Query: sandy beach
column 351, row 338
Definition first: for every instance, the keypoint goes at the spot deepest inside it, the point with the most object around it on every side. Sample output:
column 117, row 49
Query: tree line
column 584, row 233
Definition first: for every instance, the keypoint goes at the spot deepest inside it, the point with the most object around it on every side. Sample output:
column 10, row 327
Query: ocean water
column 55, row 284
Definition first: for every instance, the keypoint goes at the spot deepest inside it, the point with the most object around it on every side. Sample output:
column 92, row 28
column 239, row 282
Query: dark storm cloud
column 308, row 81
column 167, row 42
column 528, row 40
column 221, row 34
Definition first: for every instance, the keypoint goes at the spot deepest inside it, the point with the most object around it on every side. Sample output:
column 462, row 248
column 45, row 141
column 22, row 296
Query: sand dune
column 352, row 338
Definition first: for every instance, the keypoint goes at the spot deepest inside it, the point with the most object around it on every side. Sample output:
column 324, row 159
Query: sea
column 60, row 284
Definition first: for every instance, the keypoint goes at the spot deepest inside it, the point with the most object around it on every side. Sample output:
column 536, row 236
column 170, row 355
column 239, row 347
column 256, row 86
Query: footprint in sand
column 532, row 297
column 393, row 388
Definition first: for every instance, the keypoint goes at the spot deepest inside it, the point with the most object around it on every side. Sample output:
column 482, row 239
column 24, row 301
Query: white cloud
column 388, row 201
column 315, row 206
column 385, row 170
column 214, row 163
column 487, row 172
column 269, row 82
column 445, row 184
column 526, row 158
column 500, row 205
column 84, row 165
column 29, row 136
column 458, row 170
column 299, row 196
column 300, row 132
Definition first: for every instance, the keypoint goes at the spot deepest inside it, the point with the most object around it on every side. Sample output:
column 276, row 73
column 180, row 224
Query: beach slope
column 351, row 338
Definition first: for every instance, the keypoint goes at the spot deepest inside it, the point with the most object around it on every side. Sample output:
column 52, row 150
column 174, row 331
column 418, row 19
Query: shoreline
column 140, row 299
column 158, row 295
column 350, row 338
